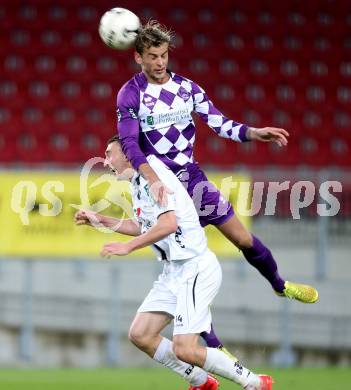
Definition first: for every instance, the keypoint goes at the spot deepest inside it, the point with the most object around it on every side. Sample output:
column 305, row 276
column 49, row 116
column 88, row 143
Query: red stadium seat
column 35, row 121
column 340, row 152
column 9, row 122
column 10, row 96
column 286, row 64
column 220, row 152
column 288, row 157
column 15, row 68
column 314, row 152
column 253, row 154
column 31, row 148
column 7, row 148
column 64, row 148
column 92, row 145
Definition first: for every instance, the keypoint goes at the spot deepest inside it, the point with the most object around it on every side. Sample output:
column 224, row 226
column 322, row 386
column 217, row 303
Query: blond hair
column 153, row 34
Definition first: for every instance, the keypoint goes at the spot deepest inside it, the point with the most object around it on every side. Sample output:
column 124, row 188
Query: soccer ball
column 118, row 28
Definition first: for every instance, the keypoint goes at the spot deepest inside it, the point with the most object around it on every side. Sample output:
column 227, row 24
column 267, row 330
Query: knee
column 138, row 337
column 244, row 241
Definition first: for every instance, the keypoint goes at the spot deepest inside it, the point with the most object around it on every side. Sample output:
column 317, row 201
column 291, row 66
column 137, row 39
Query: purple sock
column 260, row 257
column 211, row 339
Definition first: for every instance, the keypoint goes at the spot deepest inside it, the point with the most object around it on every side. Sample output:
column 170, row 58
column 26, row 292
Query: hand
column 115, row 248
column 270, row 134
column 86, row 217
column 159, row 192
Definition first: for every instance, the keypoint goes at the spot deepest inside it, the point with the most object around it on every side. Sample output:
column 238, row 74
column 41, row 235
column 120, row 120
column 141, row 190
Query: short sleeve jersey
column 189, row 240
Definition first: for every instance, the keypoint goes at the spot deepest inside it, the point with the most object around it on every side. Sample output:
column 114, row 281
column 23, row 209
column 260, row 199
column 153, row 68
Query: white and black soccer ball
column 119, row 28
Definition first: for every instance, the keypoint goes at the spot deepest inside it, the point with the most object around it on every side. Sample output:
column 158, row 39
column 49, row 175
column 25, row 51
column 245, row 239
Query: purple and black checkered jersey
column 155, row 119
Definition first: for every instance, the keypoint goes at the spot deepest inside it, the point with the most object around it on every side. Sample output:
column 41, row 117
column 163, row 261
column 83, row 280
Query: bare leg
column 145, row 330
column 145, row 334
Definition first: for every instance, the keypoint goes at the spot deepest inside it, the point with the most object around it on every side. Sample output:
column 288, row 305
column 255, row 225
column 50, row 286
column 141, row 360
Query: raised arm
column 228, row 128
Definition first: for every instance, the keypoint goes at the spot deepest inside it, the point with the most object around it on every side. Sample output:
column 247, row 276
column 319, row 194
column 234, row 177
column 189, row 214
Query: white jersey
column 189, row 240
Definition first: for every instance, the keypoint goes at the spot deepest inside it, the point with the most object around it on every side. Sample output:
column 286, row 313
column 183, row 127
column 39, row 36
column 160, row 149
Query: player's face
column 117, row 162
column 154, row 62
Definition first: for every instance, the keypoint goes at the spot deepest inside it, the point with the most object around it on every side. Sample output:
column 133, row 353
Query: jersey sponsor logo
column 150, row 120
column 167, row 118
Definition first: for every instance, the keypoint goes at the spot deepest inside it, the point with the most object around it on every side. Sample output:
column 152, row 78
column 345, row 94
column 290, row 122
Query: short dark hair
column 115, row 138
column 153, row 34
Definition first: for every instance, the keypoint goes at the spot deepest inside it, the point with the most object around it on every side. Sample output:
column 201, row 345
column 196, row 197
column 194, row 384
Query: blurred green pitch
column 160, row 379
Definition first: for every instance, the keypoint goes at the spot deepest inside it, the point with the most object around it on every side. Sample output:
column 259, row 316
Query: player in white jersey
column 187, row 286
column 155, row 111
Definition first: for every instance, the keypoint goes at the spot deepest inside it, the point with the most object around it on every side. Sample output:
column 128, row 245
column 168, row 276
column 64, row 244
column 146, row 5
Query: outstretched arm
column 129, row 227
column 166, row 225
column 228, row 128
column 220, row 124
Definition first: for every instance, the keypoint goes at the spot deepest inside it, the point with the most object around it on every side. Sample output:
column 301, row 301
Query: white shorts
column 185, row 290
